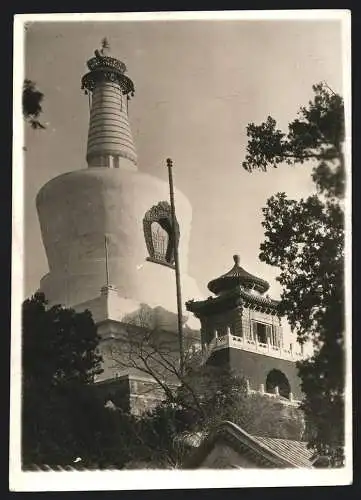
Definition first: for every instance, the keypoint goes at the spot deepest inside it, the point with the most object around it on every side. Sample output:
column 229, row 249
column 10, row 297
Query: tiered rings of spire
column 110, row 138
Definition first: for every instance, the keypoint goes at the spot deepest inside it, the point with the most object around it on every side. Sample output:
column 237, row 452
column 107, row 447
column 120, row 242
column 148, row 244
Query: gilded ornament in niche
column 158, row 234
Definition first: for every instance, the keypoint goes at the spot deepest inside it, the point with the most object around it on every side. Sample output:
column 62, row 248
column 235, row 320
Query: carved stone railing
column 251, row 345
column 290, row 401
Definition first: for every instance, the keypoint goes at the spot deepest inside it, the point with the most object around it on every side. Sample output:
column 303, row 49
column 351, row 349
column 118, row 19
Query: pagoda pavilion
column 241, row 327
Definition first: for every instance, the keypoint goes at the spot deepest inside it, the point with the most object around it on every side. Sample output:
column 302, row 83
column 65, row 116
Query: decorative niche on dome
column 158, row 234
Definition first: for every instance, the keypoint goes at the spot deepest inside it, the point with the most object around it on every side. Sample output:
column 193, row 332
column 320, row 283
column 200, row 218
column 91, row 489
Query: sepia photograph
column 181, row 263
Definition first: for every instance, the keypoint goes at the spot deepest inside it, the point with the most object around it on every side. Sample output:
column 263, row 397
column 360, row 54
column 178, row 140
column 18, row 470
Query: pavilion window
column 275, row 336
column 222, row 331
column 269, row 333
column 260, row 332
column 234, row 331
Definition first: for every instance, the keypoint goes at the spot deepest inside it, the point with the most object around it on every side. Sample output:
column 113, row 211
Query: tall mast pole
column 106, row 260
column 176, row 265
column 66, row 284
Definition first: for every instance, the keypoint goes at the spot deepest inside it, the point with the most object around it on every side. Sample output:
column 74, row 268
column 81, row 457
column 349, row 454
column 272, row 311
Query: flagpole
column 106, row 261
column 176, row 265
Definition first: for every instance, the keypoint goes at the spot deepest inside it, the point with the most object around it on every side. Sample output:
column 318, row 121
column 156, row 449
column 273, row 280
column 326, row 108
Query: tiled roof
column 259, row 299
column 229, row 299
column 295, row 452
column 236, row 276
column 267, row 452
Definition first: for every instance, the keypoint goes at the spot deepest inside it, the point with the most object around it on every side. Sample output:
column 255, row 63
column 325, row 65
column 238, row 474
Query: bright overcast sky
column 198, row 85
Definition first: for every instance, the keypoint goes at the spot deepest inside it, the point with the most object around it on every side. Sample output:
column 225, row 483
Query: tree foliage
column 164, row 436
column 317, row 134
column 32, row 104
column 61, row 417
column 64, row 416
column 223, row 395
column 305, row 240
column 59, row 344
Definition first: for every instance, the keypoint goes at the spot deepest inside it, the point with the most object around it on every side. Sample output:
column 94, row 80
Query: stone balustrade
column 229, row 340
column 287, row 402
column 290, row 401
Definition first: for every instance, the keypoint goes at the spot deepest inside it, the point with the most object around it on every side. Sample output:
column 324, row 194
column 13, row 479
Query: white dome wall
column 76, row 210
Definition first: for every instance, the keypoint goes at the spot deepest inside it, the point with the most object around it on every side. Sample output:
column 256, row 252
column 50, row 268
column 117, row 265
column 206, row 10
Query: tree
column 305, row 240
column 168, row 433
column 32, row 104
column 316, row 135
column 60, row 360
column 191, row 403
column 59, row 344
column 146, row 348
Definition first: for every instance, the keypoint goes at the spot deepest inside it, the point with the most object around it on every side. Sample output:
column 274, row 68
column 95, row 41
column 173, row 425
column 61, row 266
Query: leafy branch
column 32, row 104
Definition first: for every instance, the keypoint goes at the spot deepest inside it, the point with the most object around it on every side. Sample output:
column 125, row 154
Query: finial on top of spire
column 105, row 49
column 109, row 67
column 236, row 259
column 105, row 46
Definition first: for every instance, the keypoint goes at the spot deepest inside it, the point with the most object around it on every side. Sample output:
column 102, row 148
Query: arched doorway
column 276, row 378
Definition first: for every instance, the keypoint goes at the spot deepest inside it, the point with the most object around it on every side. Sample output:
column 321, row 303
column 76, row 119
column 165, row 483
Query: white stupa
column 106, row 229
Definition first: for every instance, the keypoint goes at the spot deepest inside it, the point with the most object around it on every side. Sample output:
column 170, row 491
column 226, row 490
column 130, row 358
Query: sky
column 198, row 84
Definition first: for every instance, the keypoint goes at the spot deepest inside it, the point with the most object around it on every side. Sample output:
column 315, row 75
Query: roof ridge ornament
column 236, row 259
column 105, row 46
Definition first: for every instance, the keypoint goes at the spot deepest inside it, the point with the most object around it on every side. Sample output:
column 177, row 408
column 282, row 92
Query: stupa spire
column 110, row 141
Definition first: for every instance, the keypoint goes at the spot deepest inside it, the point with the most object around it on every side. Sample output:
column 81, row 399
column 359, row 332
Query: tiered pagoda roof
column 232, row 289
column 235, row 277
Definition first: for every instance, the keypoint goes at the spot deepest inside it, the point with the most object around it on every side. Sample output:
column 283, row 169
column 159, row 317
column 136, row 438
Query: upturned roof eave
column 226, row 282
column 232, row 297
